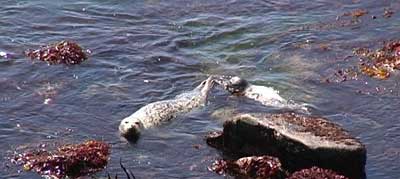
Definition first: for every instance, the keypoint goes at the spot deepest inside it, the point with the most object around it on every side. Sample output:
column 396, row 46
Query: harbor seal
column 155, row 113
column 265, row 95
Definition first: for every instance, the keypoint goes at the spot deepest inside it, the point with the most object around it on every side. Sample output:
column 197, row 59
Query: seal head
column 235, row 85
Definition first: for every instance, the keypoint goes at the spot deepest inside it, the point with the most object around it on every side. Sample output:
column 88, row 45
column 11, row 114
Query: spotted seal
column 161, row 111
column 265, row 95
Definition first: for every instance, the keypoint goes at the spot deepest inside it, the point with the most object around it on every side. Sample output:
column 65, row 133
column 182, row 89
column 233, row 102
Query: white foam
column 3, row 54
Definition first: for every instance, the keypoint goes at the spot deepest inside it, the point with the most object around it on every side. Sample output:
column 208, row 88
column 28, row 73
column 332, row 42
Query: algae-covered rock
column 66, row 52
column 255, row 167
column 299, row 141
column 72, row 160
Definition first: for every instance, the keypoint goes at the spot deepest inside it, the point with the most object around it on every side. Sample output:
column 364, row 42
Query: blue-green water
column 144, row 51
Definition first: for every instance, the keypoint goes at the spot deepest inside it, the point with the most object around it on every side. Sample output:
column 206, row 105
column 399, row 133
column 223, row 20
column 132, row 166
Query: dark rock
column 68, row 160
column 254, row 167
column 316, row 173
column 65, row 52
column 215, row 139
column 299, row 141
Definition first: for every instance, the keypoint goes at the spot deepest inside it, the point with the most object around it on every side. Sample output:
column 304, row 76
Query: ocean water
column 145, row 51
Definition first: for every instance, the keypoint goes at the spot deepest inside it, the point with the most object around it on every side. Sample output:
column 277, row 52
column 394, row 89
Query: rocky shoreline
column 299, row 141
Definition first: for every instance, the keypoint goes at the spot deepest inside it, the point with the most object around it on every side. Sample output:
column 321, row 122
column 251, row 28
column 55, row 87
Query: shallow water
column 144, row 51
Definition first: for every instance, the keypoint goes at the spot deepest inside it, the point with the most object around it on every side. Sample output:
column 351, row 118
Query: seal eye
column 126, row 122
column 137, row 123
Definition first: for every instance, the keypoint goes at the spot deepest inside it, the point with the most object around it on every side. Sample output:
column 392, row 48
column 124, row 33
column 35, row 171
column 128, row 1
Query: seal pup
column 265, row 95
column 162, row 111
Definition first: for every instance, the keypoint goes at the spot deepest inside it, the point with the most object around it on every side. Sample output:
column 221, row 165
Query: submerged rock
column 73, row 160
column 299, row 141
column 254, row 167
column 388, row 13
column 316, row 173
column 66, row 52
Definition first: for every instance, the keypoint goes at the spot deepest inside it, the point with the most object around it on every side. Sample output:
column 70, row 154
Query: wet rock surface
column 316, row 173
column 299, row 141
column 64, row 52
column 254, row 167
column 72, row 160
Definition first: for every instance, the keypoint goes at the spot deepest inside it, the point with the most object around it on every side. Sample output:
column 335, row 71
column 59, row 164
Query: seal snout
column 206, row 85
column 132, row 134
column 130, row 129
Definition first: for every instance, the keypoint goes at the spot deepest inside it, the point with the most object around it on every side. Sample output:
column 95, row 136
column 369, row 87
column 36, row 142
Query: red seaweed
column 66, row 52
column 72, row 160
column 255, row 167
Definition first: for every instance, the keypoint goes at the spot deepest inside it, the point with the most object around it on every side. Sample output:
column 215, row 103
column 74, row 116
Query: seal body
column 156, row 113
column 265, row 95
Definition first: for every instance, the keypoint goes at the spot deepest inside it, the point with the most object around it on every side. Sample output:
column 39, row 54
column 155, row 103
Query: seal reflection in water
column 265, row 95
column 161, row 111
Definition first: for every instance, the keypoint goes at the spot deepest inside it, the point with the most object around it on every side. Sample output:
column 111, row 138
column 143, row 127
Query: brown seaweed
column 356, row 13
column 379, row 63
column 316, row 125
column 72, row 160
column 64, row 52
column 316, row 173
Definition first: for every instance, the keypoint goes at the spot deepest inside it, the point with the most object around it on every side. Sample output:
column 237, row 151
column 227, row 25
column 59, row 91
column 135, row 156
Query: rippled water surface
column 144, row 51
